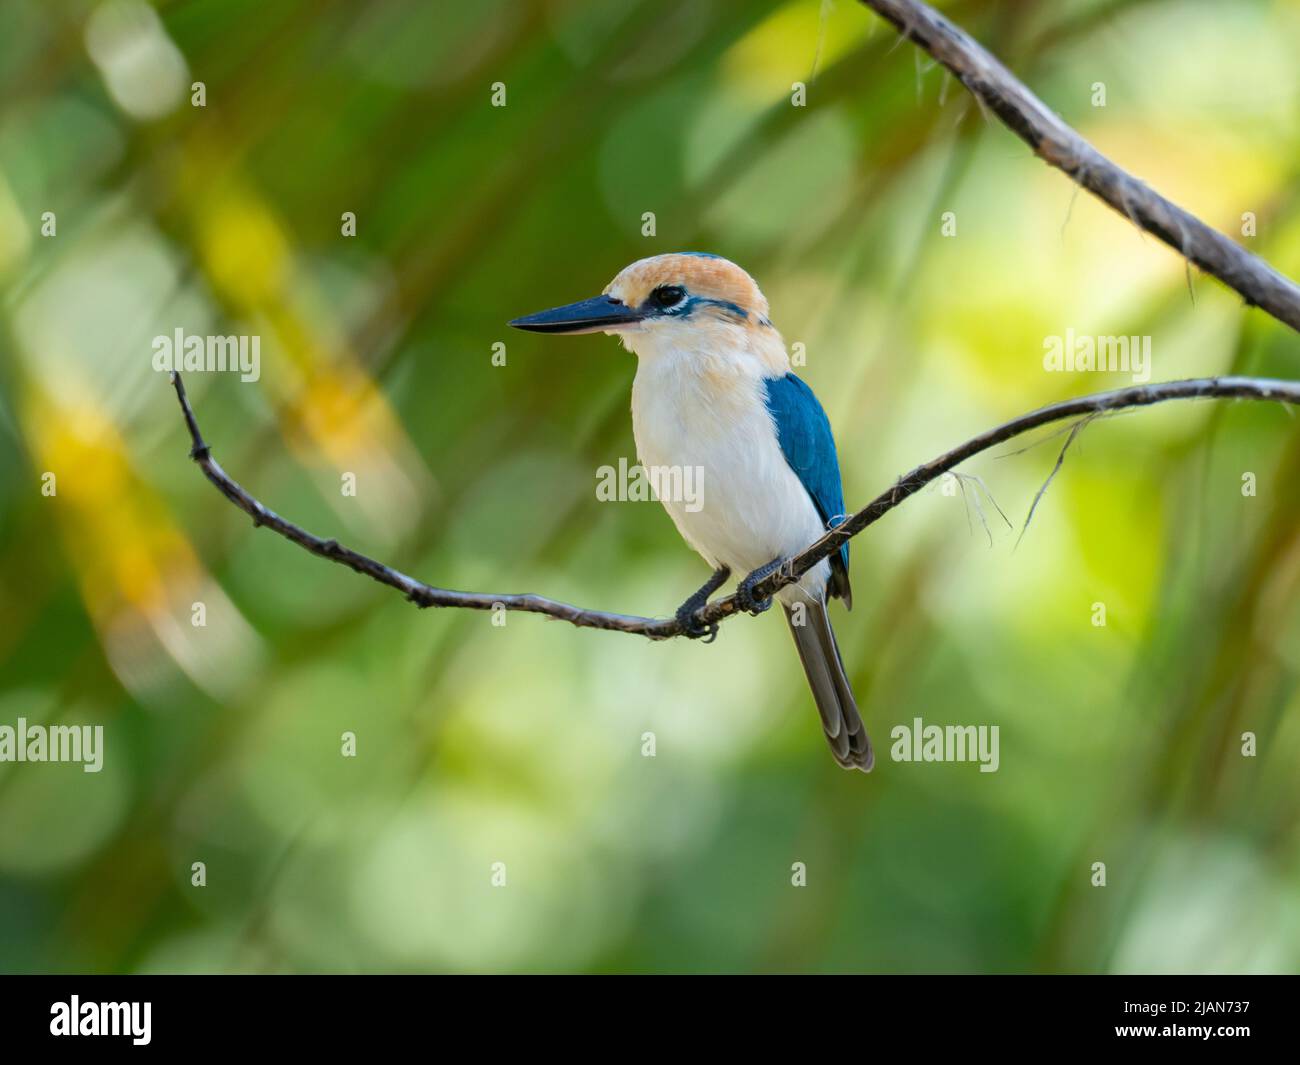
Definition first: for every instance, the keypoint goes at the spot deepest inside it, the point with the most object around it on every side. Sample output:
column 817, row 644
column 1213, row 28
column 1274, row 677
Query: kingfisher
column 714, row 393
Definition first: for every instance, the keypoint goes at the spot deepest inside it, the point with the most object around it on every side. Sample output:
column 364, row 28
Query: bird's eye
column 666, row 296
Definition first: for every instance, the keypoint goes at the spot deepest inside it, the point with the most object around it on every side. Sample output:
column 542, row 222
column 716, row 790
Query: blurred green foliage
column 522, row 744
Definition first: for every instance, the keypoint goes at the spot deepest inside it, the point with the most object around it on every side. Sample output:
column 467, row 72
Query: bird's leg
column 745, row 589
column 686, row 612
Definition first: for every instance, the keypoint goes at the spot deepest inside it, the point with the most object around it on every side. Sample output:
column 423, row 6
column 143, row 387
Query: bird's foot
column 745, row 590
column 692, row 628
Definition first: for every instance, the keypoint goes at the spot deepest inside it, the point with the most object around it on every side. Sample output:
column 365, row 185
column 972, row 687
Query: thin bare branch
column 1075, row 429
column 999, row 91
column 425, row 595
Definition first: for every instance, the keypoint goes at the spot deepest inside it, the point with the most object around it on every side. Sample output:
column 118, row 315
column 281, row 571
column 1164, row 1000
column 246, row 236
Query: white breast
column 708, row 413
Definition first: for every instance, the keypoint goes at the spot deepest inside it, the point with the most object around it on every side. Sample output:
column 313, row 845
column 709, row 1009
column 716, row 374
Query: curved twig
column 997, row 89
column 425, row 595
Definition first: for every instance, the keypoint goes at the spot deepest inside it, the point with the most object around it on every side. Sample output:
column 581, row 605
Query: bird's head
column 683, row 302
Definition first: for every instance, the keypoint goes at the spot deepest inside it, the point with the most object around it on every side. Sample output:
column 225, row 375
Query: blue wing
column 806, row 441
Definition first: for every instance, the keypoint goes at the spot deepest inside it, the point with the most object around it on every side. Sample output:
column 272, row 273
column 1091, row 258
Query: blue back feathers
column 804, row 434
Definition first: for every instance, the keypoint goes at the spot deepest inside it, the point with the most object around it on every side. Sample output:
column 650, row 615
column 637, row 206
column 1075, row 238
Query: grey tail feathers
column 841, row 721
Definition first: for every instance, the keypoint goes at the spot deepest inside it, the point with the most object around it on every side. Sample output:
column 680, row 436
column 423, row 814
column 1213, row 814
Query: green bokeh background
column 522, row 744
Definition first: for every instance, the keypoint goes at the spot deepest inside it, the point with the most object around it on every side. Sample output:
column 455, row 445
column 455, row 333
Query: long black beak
column 587, row 316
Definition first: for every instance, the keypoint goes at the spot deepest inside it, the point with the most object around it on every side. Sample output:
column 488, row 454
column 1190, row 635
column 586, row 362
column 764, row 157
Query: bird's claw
column 692, row 628
column 746, row 602
column 745, row 590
